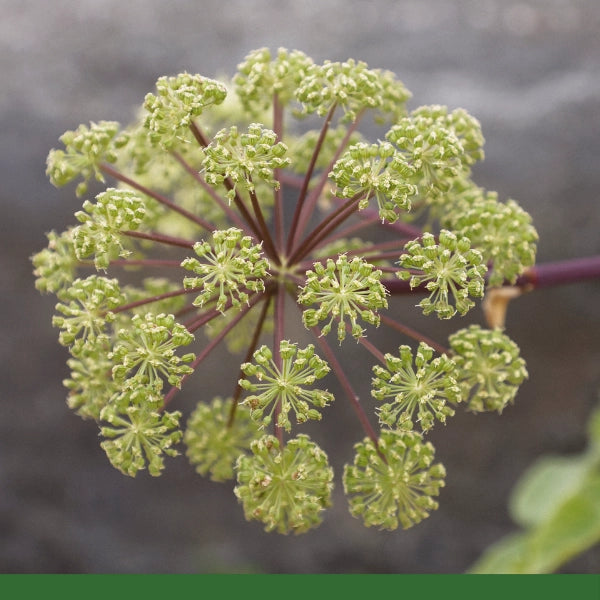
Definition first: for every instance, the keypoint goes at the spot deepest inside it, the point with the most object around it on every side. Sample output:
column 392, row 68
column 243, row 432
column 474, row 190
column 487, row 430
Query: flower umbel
column 234, row 266
column 225, row 215
column 425, row 388
column 285, row 488
column 285, row 388
column 394, row 483
column 450, row 268
column 343, row 289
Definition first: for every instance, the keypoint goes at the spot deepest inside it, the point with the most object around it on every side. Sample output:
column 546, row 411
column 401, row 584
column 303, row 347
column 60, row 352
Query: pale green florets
column 260, row 76
column 239, row 158
column 215, row 440
column 275, row 391
column 86, row 309
column 450, row 269
column 138, row 437
column 490, row 369
column 234, row 266
column 286, row 488
column 90, row 382
column 56, row 265
column 502, row 232
column 375, row 170
column 145, row 351
column 103, row 223
column 350, row 84
column 177, row 102
column 433, row 151
column 424, row 388
column 86, row 149
column 393, row 484
column 343, row 289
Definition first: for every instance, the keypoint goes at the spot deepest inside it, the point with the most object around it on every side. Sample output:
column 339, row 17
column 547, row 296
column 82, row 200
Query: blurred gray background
column 529, row 70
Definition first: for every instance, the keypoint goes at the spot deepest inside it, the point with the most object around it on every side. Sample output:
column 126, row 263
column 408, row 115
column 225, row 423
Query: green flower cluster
column 178, row 100
column 284, row 388
column 85, row 149
column 286, row 488
column 234, row 266
column 489, row 367
column 393, row 482
column 425, row 388
column 238, row 158
column 103, row 223
column 221, row 211
column 448, row 268
column 215, row 439
column 344, row 289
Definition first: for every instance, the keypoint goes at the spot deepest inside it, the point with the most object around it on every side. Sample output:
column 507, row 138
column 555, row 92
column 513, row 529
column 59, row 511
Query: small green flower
column 145, row 350
column 85, row 149
column 285, row 387
column 213, row 443
column 344, row 289
column 177, row 102
column 502, row 232
column 233, row 266
column 350, row 85
column 90, row 382
column 425, row 388
column 489, row 366
column 260, row 76
column 375, row 170
column 464, row 126
column 55, row 266
column 242, row 157
column 432, row 150
column 87, row 310
column 103, row 223
column 287, row 489
column 138, row 437
column 450, row 268
column 393, row 483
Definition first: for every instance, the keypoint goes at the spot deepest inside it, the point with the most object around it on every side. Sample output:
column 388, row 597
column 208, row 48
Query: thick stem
column 108, row 170
column 562, row 272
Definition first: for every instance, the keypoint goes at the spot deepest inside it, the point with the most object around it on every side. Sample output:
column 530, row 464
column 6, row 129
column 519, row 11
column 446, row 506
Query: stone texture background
column 529, row 70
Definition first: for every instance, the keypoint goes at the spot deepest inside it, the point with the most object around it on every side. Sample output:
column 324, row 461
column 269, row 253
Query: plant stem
column 307, row 178
column 264, row 230
column 160, row 238
column 212, row 345
column 279, row 322
column 151, row 299
column 251, row 348
column 278, row 199
column 325, row 227
column 562, row 272
column 108, row 170
column 212, row 192
column 413, row 334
